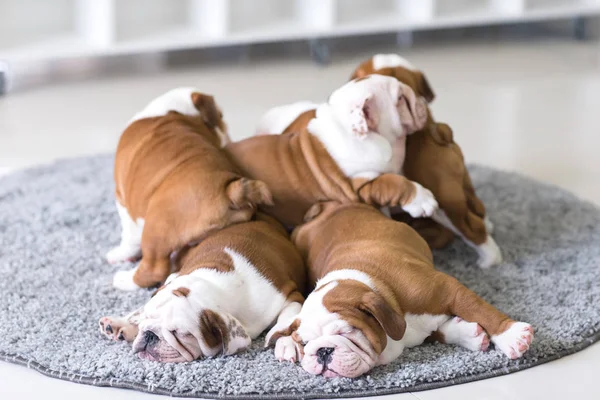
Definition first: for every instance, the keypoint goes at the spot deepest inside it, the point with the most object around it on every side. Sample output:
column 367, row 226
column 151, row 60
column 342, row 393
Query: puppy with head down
column 375, row 293
column 230, row 288
column 354, row 135
column 174, row 184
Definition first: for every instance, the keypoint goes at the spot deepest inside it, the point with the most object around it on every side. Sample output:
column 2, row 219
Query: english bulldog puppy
column 434, row 160
column 374, row 295
column 174, row 185
column 230, row 288
column 354, row 135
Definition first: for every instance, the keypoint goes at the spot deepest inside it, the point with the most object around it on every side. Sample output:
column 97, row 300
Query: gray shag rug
column 57, row 221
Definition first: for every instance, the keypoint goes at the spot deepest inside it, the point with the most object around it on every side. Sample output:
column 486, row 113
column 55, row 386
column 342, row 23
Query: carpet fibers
column 57, row 221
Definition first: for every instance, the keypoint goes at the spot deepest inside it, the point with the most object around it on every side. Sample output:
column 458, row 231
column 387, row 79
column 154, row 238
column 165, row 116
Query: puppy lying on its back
column 377, row 292
column 174, row 185
column 352, row 137
column 230, row 288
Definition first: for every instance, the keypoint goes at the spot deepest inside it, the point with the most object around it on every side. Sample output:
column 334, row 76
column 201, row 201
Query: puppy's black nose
column 150, row 338
column 324, row 355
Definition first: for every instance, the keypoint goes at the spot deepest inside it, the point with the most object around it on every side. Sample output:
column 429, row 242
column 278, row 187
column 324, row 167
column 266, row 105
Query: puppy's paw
column 515, row 340
column 423, row 204
column 122, row 254
column 123, row 280
column 489, row 253
column 287, row 350
column 469, row 335
column 117, row 329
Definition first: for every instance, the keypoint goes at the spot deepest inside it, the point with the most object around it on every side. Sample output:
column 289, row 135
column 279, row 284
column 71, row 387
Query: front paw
column 123, row 280
column 423, row 203
column 515, row 340
column 287, row 350
column 117, row 329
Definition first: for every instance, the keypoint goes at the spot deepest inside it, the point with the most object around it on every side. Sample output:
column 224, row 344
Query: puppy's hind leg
column 511, row 337
column 131, row 237
column 488, row 251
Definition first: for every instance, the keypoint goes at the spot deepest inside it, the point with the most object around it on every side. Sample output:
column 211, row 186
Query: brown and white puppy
column 231, row 287
column 435, row 161
column 377, row 292
column 174, row 184
column 352, row 136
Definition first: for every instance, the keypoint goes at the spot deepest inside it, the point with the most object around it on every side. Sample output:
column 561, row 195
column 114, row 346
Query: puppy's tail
column 249, row 193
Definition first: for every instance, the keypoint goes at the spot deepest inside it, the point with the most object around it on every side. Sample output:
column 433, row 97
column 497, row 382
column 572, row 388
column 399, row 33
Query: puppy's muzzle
column 149, row 339
column 324, row 355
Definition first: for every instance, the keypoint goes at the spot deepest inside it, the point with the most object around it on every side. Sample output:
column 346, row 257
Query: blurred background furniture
column 33, row 30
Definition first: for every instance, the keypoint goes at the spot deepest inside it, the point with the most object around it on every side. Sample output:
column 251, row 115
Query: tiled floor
column 528, row 106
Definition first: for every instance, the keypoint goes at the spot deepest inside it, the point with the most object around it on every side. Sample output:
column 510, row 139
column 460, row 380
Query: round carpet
column 57, row 221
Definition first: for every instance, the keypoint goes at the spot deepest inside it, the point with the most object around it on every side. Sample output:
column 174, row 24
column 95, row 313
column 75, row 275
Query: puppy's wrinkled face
column 377, row 104
column 339, row 329
column 176, row 327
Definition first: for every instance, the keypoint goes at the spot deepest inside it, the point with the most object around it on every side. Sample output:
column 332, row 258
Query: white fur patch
column 338, row 125
column 381, row 61
column 131, row 238
column 179, row 100
column 469, row 335
column 277, row 119
column 123, row 280
column 368, row 157
column 418, row 328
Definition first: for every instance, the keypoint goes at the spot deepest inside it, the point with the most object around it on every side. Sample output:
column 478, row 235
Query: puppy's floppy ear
column 364, row 116
column 412, row 110
column 424, row 88
column 391, row 320
column 208, row 109
column 247, row 193
column 222, row 334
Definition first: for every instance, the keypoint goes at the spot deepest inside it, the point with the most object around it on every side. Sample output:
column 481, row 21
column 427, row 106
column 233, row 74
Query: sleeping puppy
column 375, row 295
column 435, row 161
column 230, row 288
column 174, row 184
column 354, row 135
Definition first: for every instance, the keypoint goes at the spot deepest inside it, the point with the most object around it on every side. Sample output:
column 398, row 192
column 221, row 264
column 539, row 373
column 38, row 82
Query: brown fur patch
column 213, row 329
